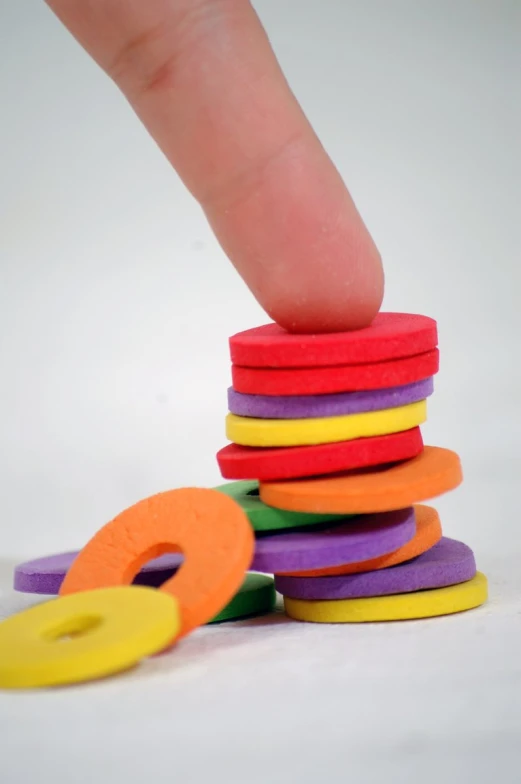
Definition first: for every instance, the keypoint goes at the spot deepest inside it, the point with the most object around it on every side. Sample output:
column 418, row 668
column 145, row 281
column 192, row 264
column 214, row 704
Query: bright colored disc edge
column 397, row 607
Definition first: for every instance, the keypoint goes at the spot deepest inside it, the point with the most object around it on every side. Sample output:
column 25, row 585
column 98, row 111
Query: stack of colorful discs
column 330, row 466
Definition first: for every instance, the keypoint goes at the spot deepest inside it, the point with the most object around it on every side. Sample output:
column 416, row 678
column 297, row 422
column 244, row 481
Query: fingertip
column 318, row 282
column 329, row 307
column 300, row 244
column 207, row 86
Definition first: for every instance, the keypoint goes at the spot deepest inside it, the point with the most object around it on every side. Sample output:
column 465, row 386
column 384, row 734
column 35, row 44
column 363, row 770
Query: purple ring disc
column 359, row 539
column 308, row 406
column 448, row 562
column 45, row 575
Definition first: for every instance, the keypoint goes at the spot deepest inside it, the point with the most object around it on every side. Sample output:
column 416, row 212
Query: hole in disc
column 70, row 628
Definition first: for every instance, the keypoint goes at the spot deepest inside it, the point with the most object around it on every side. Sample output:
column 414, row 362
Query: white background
column 116, row 304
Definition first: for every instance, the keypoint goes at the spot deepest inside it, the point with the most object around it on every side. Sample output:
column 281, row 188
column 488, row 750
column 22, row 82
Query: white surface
column 116, row 305
column 278, row 701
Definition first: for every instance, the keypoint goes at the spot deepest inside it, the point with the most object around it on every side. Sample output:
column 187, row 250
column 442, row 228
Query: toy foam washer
column 307, row 406
column 433, row 472
column 398, row 607
column 246, row 462
column 337, row 378
column 249, row 431
column 389, row 336
column 86, row 636
column 449, row 562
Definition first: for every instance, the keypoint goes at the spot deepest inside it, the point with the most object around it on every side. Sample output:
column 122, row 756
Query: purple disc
column 359, row 539
column 45, row 575
column 448, row 562
column 308, row 406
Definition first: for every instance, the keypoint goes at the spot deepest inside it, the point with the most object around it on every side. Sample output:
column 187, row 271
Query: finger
column 203, row 79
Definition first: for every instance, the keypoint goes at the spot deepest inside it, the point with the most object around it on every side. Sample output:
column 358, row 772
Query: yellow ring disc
column 400, row 607
column 85, row 636
column 250, row 431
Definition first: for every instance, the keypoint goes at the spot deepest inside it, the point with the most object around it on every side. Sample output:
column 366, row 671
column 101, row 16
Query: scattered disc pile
column 129, row 593
column 330, row 465
column 330, row 476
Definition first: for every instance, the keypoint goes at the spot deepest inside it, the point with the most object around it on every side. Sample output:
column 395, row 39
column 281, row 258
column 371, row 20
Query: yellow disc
column 249, row 431
column 85, row 636
column 400, row 607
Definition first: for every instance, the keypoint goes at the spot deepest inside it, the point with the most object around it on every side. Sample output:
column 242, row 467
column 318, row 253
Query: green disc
column 267, row 518
column 256, row 596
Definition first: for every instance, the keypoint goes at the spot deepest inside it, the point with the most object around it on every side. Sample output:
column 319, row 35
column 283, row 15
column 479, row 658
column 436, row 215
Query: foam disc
column 268, row 518
column 447, row 563
column 341, row 378
column 401, row 607
column 211, row 531
column 245, row 462
column 45, row 575
column 433, row 472
column 389, row 336
column 307, row 406
column 369, row 537
column 247, row 431
column 85, row 636
column 256, row 597
column 428, row 533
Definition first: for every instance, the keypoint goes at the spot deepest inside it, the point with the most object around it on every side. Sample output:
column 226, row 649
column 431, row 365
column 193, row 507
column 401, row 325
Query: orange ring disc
column 433, row 472
column 208, row 527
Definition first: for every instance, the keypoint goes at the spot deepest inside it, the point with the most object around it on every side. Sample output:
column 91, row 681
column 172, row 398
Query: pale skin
column 203, row 79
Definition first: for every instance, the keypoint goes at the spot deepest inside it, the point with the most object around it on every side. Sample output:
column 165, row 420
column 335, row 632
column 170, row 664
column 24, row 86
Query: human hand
column 203, row 79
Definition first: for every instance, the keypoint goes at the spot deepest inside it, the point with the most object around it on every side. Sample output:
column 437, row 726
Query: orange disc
column 208, row 527
column 428, row 533
column 386, row 488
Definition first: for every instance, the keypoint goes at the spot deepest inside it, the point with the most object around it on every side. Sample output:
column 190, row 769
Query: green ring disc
column 268, row 518
column 256, row 596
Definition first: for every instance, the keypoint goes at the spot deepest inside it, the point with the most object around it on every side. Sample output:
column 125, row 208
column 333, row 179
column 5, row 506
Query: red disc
column 390, row 336
column 343, row 378
column 266, row 464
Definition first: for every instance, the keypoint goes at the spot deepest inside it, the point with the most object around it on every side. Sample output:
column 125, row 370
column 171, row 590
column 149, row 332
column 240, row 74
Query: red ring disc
column 270, row 464
column 390, row 336
column 344, row 378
